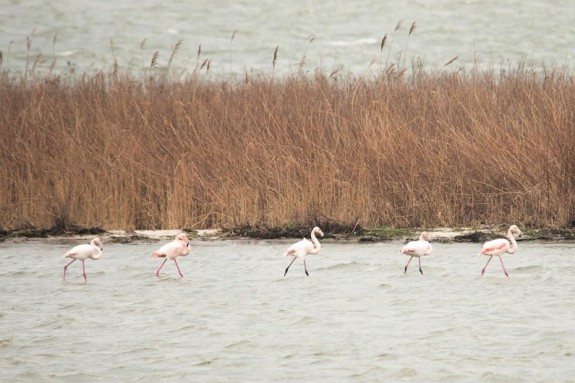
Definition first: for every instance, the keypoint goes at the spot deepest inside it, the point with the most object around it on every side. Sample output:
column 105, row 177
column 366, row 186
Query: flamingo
column 303, row 248
column 82, row 252
column 500, row 246
column 179, row 246
column 417, row 249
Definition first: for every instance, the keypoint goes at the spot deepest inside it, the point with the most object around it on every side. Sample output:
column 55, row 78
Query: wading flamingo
column 179, row 246
column 498, row 247
column 417, row 249
column 303, row 248
column 82, row 252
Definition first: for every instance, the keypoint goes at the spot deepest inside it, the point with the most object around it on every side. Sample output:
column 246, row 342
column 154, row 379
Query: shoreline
column 385, row 234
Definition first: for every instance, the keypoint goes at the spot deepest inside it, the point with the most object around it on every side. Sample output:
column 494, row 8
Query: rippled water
column 346, row 34
column 234, row 317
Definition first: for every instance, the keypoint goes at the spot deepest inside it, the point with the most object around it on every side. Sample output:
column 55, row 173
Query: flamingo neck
column 317, row 245
column 513, row 247
column 98, row 253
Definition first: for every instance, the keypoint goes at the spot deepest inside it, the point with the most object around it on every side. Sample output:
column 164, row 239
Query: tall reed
column 439, row 148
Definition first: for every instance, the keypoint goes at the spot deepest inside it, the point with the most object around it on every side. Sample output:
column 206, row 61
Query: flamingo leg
column 287, row 268
column 421, row 271
column 65, row 267
column 84, row 271
column 502, row 265
column 405, row 270
column 181, row 275
column 484, row 267
column 305, row 268
column 160, row 268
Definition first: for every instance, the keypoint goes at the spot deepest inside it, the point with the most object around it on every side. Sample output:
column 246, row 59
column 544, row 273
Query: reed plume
column 450, row 61
column 154, row 61
column 174, row 50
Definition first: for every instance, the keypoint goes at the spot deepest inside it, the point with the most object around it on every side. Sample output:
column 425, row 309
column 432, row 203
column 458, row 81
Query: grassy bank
column 432, row 149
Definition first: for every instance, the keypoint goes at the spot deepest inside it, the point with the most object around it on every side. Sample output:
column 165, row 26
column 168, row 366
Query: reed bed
column 430, row 149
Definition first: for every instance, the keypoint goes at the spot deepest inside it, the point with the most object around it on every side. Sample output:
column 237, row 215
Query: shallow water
column 234, row 317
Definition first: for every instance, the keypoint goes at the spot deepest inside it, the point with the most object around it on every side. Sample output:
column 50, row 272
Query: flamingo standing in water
column 303, row 248
column 498, row 247
column 82, row 252
column 172, row 250
column 417, row 249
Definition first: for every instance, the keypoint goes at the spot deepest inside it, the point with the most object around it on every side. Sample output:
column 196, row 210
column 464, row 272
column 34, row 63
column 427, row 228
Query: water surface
column 234, row 317
column 311, row 34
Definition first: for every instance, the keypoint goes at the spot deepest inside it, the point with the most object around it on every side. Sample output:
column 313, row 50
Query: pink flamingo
column 417, row 249
column 303, row 248
column 82, row 252
column 498, row 247
column 172, row 250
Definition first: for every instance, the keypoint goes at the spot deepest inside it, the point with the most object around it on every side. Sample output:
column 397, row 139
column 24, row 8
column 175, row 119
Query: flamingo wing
column 495, row 247
column 417, row 248
column 300, row 249
column 83, row 251
column 170, row 250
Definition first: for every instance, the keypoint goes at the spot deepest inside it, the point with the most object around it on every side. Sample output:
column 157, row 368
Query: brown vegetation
column 120, row 151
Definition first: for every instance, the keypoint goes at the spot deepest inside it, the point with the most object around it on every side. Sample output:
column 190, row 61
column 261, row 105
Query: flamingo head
column 514, row 230
column 424, row 236
column 318, row 231
column 97, row 242
column 182, row 237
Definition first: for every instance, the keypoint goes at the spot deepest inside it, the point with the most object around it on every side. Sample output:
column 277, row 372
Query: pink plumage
column 82, row 252
column 418, row 249
column 180, row 246
column 500, row 246
column 304, row 248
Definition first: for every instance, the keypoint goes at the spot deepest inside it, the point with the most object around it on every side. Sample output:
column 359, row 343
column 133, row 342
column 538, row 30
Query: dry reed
column 149, row 153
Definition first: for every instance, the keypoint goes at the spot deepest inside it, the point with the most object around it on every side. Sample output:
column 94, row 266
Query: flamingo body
column 418, row 249
column 500, row 246
column 180, row 246
column 496, row 247
column 304, row 248
column 82, row 252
